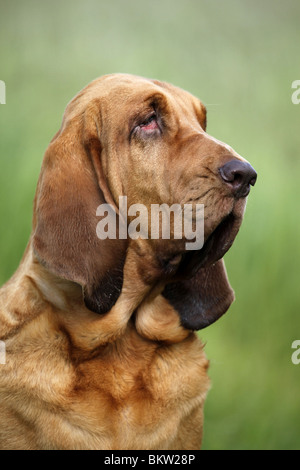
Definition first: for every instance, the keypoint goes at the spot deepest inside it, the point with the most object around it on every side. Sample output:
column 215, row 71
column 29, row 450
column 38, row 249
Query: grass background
column 240, row 58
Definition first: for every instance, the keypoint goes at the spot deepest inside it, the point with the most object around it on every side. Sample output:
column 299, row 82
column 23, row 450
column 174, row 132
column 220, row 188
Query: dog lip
column 214, row 248
column 220, row 240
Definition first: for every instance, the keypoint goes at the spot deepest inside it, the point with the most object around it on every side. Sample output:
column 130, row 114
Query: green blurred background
column 240, row 58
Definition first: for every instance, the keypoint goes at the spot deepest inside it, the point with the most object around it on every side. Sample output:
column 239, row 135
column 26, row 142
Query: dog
column 101, row 349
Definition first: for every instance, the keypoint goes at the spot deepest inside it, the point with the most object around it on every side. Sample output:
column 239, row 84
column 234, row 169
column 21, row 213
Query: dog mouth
column 214, row 248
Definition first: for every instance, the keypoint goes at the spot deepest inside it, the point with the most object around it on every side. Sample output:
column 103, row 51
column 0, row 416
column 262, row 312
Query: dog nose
column 239, row 175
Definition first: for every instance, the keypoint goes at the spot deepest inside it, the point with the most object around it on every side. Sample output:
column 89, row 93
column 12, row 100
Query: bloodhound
column 101, row 349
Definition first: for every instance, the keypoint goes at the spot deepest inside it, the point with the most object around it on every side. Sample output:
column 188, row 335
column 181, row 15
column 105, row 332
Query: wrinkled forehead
column 120, row 93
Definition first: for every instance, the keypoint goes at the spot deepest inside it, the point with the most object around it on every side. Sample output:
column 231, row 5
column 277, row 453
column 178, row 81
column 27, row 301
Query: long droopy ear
column 71, row 187
column 203, row 299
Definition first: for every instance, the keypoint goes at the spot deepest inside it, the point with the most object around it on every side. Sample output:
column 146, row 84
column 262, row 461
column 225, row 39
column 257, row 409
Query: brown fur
column 100, row 348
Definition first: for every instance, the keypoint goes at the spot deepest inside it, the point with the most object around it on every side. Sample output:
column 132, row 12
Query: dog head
column 126, row 138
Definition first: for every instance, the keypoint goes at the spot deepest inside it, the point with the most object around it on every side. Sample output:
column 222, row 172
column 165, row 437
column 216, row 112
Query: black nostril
column 239, row 175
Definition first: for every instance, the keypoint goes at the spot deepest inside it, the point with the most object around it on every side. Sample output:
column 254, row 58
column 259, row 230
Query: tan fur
column 135, row 377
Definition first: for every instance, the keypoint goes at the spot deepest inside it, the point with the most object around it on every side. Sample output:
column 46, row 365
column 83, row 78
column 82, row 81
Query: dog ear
column 70, row 189
column 203, row 299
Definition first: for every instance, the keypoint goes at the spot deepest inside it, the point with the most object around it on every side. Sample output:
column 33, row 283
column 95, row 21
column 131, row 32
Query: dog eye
column 147, row 127
column 150, row 123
